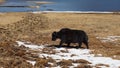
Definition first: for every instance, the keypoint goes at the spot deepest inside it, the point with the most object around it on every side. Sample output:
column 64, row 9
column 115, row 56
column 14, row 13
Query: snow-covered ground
column 109, row 38
column 73, row 54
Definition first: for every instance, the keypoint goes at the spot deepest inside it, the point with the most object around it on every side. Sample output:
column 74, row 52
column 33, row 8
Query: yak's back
column 65, row 30
column 71, row 32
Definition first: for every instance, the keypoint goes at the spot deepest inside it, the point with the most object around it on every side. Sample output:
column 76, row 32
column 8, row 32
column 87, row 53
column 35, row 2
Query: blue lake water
column 62, row 5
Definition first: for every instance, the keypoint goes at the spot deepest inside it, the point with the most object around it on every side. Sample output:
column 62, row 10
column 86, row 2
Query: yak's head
column 54, row 36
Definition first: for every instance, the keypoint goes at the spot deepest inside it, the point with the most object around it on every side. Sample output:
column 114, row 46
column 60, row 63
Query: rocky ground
column 102, row 29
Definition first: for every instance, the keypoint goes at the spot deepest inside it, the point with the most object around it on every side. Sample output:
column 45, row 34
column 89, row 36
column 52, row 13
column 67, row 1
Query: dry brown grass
column 14, row 62
column 84, row 66
column 65, row 62
column 97, row 65
column 92, row 23
column 9, row 18
column 82, row 61
column 96, row 25
column 41, row 62
column 11, row 56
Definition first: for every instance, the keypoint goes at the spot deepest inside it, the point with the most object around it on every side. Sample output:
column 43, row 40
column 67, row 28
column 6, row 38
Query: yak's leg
column 80, row 43
column 61, row 42
column 68, row 44
column 86, row 43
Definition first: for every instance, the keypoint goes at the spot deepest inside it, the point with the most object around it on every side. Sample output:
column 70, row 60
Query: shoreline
column 84, row 12
column 74, row 12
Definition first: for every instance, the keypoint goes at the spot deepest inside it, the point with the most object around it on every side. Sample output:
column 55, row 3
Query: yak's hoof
column 78, row 47
column 59, row 46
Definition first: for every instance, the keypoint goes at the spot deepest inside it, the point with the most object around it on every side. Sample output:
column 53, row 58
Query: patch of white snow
column 78, row 54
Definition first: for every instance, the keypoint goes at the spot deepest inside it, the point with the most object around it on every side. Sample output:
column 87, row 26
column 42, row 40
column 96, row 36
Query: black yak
column 69, row 36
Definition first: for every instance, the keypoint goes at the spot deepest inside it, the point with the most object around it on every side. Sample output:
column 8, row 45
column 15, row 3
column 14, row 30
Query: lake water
column 62, row 5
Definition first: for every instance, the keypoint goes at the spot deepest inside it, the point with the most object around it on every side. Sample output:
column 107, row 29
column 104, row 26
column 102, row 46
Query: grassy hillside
column 102, row 29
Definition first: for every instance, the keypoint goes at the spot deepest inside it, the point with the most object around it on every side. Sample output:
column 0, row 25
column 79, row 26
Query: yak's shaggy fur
column 68, row 36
